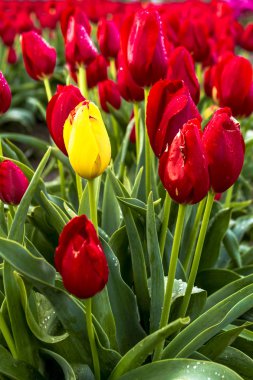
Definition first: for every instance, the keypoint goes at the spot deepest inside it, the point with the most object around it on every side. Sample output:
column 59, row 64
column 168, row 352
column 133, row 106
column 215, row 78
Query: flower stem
column 137, row 129
column 147, row 150
column 82, row 81
column 166, row 215
column 79, row 188
column 7, row 336
column 62, row 178
column 113, row 70
column 229, row 196
column 193, row 236
column 197, row 255
column 91, row 336
column 47, row 88
column 171, row 276
column 93, row 203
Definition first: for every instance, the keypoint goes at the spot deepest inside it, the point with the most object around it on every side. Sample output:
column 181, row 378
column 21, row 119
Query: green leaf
column 17, row 228
column 215, row 233
column 237, row 361
column 68, row 371
column 242, row 226
column 215, row 279
column 137, row 355
column 176, row 369
column 210, row 323
column 137, row 182
column 156, row 267
column 110, row 210
column 18, row 116
column 20, row 156
column 120, row 159
column 16, row 369
column 244, row 342
column 232, row 247
column 125, row 313
column 56, row 216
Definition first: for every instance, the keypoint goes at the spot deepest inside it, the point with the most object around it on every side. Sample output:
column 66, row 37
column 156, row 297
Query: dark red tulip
column 39, row 57
column 224, row 148
column 79, row 47
column 183, row 167
column 233, row 82
column 80, row 259
column 58, row 109
column 108, row 38
column 144, row 48
column 128, row 89
column 5, row 94
column 169, row 107
column 12, row 56
column 8, row 32
column 79, row 16
column 109, row 93
column 209, row 81
column 247, row 38
column 181, row 67
column 96, row 71
column 13, row 183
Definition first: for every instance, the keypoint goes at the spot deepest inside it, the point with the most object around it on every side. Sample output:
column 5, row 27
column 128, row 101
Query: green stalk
column 166, row 215
column 82, row 81
column 47, row 88
column 91, row 336
column 1, row 148
column 229, row 196
column 137, row 129
column 193, row 236
column 197, row 255
column 79, row 188
column 171, row 276
column 113, row 70
column 93, row 203
column 115, row 128
column 7, row 336
column 147, row 150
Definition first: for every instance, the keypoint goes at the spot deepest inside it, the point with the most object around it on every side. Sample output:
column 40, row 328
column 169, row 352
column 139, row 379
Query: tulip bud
column 12, row 56
column 247, row 38
column 108, row 38
column 87, row 141
column 58, row 109
column 169, row 107
column 13, row 183
column 109, row 93
column 181, row 67
column 39, row 57
column 224, row 147
column 80, row 18
column 5, row 94
column 144, row 48
column 183, row 167
column 80, row 259
column 96, row 71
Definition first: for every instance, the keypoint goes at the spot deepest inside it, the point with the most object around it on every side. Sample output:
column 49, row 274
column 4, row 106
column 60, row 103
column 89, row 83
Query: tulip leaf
column 137, row 355
column 232, row 247
column 16, row 369
column 237, row 361
column 56, row 216
column 17, row 228
column 68, row 371
column 3, row 224
column 18, row 116
column 120, row 159
column 215, row 233
column 243, row 225
column 137, row 183
column 110, row 209
column 156, row 267
column 215, row 279
column 125, row 313
column 19, row 154
column 182, row 369
column 25, row 139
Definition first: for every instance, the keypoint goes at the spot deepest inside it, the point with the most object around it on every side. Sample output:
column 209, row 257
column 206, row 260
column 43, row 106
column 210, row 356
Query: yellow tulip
column 86, row 140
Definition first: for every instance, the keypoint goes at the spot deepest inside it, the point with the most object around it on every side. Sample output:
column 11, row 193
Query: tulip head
column 96, row 71
column 39, row 57
column 13, row 183
column 183, row 167
column 5, row 94
column 224, row 147
column 109, row 93
column 58, row 109
column 169, row 107
column 80, row 259
column 86, row 140
column 108, row 38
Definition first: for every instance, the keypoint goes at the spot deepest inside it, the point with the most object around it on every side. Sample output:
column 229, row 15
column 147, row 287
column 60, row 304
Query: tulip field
column 126, row 185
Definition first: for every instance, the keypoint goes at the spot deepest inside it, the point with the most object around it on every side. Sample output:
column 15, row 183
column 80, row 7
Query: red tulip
column 183, row 167
column 12, row 56
column 58, row 109
column 96, row 71
column 233, row 81
column 224, row 147
column 144, row 48
column 79, row 16
column 39, row 57
column 109, row 93
column 79, row 47
column 5, row 94
column 181, row 67
column 13, row 183
column 247, row 38
column 169, row 107
column 108, row 38
column 128, row 89
column 80, row 259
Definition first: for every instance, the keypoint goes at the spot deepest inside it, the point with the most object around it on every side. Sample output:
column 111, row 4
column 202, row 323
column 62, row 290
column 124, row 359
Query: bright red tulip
column 58, row 109
column 128, row 89
column 183, row 167
column 39, row 57
column 80, row 259
column 13, row 183
column 247, row 38
column 79, row 16
column 224, row 149
column 169, row 107
column 108, row 38
column 109, row 93
column 144, row 48
column 12, row 56
column 5, row 94
column 96, row 71
column 181, row 67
